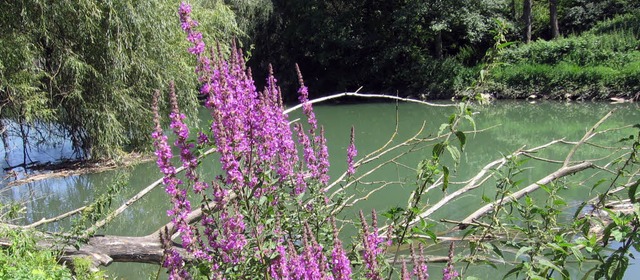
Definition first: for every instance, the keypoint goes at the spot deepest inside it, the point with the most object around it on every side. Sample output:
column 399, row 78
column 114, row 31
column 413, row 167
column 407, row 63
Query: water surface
column 512, row 126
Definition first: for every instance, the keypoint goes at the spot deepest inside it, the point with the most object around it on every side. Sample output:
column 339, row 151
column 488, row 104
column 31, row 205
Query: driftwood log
column 102, row 250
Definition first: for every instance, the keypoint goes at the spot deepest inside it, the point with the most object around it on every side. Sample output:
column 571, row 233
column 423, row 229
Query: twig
column 590, row 133
column 55, row 219
column 136, row 197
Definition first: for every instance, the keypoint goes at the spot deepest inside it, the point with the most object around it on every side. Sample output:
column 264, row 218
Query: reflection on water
column 514, row 124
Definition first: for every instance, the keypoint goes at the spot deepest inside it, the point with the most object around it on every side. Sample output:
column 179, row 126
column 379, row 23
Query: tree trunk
column 553, row 18
column 526, row 16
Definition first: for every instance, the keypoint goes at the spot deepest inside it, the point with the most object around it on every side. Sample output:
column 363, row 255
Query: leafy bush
column 22, row 260
column 591, row 65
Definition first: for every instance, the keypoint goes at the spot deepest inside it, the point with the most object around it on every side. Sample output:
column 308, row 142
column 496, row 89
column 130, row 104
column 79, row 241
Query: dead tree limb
column 564, row 171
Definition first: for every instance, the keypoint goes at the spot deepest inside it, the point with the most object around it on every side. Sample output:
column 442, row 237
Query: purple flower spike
column 340, row 264
column 307, row 108
column 371, row 243
column 449, row 272
column 351, row 153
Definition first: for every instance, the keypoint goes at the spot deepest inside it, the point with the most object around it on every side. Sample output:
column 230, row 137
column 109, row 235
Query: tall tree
column 553, row 18
column 526, row 17
column 87, row 68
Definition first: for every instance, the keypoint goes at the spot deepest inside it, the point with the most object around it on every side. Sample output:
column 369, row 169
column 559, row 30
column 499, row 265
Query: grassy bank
column 598, row 64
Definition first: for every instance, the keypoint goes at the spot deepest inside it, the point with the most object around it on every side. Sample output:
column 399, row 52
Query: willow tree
column 86, row 69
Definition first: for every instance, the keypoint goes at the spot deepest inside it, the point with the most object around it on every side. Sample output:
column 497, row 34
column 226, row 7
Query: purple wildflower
column 449, row 272
column 322, row 157
column 307, row 151
column 351, row 153
column 173, row 261
column 307, row 108
column 340, row 264
column 278, row 268
column 404, row 274
column 310, row 256
column 296, row 264
column 371, row 243
column 421, row 270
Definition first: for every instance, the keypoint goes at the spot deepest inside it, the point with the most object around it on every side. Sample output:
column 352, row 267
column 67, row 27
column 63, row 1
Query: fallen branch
column 103, row 250
column 363, row 95
column 564, row 171
column 55, row 219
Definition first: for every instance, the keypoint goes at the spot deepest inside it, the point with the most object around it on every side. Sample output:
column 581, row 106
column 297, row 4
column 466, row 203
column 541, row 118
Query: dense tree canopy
column 89, row 67
column 420, row 48
column 86, row 69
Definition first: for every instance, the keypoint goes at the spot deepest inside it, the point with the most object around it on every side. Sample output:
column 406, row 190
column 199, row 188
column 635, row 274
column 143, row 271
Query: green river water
column 512, row 125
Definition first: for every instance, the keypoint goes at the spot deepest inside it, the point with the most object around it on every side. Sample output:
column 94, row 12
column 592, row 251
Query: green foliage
column 545, row 243
column 23, row 261
column 89, row 67
column 580, row 15
column 384, row 46
column 591, row 65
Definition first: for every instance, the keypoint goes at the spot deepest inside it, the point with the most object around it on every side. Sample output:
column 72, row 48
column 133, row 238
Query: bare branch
column 564, row 171
column 590, row 133
column 56, row 218
column 363, row 95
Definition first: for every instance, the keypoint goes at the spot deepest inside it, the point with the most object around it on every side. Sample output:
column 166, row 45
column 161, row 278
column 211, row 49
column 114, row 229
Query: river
column 512, row 124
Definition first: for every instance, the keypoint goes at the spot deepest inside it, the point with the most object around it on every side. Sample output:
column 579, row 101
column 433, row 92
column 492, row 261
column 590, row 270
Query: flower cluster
column 419, row 264
column 260, row 163
column 311, row 263
column 373, row 244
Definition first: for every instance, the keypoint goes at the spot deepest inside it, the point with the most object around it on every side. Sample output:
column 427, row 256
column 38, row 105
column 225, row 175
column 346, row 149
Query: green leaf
column 504, row 45
column 462, row 138
column 438, row 149
column 547, row 263
column 632, row 191
column 452, row 118
column 443, row 127
column 617, row 235
column 496, row 250
column 454, row 152
column 577, row 253
column 607, row 233
column 471, row 121
column 523, row 250
column 393, row 212
column 445, row 180
column 514, row 270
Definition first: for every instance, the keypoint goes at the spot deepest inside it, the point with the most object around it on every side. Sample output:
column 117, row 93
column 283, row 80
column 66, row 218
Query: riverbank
column 599, row 64
column 66, row 168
